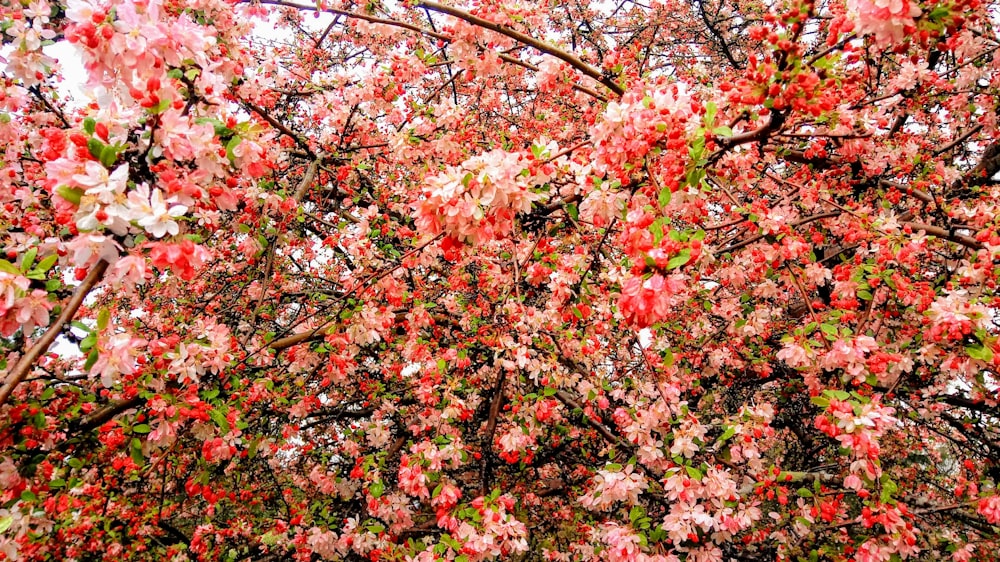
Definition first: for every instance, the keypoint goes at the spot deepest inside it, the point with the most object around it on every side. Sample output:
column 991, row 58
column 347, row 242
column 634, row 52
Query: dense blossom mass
column 693, row 280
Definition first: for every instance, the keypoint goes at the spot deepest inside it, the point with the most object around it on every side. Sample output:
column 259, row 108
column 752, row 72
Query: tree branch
column 570, row 58
column 23, row 367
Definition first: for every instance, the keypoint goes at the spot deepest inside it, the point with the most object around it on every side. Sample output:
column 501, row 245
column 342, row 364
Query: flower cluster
column 183, row 257
column 645, row 302
column 888, row 20
column 643, row 119
column 612, row 486
column 20, row 306
column 857, row 427
column 478, row 199
column 498, row 533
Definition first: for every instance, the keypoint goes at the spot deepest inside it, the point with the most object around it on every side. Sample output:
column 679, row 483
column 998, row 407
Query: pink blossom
column 183, row 257
column 887, row 20
column 412, row 480
column 990, row 509
column 12, row 287
column 646, row 302
column 612, row 486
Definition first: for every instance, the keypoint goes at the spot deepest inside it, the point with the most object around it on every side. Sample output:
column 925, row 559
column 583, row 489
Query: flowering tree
column 679, row 280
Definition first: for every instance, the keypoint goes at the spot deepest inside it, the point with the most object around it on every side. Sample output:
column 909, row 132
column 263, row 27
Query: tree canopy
column 652, row 281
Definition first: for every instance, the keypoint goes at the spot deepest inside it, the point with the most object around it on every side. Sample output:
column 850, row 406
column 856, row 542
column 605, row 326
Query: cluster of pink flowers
column 990, row 509
column 499, row 533
column 117, row 357
column 612, row 486
column 27, row 61
column 857, row 430
column 888, row 20
column 954, row 316
column 645, row 302
column 643, row 119
column 20, row 306
column 325, row 543
column 412, row 479
column 216, row 449
column 850, row 355
column 183, row 258
column 478, row 199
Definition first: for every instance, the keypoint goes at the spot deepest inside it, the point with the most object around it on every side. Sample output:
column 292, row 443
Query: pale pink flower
column 610, row 487
column 33, row 311
column 12, row 287
column 989, row 508
column 153, row 213
column 887, row 20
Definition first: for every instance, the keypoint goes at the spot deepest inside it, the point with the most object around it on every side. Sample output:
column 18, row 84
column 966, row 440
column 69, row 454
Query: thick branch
column 106, row 414
column 938, row 232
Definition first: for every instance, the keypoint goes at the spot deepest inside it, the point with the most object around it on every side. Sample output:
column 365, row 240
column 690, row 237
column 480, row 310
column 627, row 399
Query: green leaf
column 979, row 352
column 668, row 358
column 28, row 496
column 220, row 420
column 70, row 194
column 828, row 329
column 710, row 111
column 665, row 196
column 57, row 483
column 889, row 489
column 722, row 131
column 573, row 211
column 376, row 489
column 95, row 147
column 89, row 124
column 91, row 358
column 102, row 319
column 29, row 259
column 804, row 492
column 680, row 259
column 47, row 263
column 693, row 472
column 230, row 147
column 220, row 128
column 141, row 428
column 5, row 523
column 727, row 434
column 136, row 452
column 109, row 155
column 160, row 107
column 820, row 401
column 7, row 267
